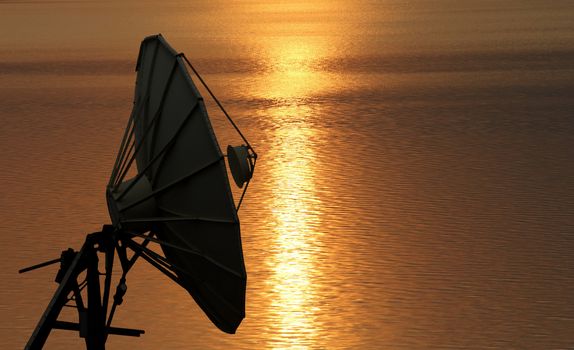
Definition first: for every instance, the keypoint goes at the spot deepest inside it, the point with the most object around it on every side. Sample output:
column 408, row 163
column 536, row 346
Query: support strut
column 92, row 325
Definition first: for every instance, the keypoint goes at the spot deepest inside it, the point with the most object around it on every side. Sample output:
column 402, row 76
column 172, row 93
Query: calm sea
column 416, row 182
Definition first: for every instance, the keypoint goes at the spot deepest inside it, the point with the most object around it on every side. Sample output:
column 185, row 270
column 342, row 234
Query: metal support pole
column 92, row 325
column 50, row 316
column 96, row 333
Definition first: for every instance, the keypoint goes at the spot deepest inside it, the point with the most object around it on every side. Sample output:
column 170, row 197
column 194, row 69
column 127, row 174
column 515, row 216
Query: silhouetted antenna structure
column 179, row 198
column 238, row 152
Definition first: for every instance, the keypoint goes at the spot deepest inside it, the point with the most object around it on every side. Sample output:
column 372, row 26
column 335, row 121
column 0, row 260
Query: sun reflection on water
column 296, row 208
column 294, row 73
column 296, row 211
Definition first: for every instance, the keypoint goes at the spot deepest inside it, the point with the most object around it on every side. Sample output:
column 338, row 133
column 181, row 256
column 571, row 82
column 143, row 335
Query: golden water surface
column 415, row 183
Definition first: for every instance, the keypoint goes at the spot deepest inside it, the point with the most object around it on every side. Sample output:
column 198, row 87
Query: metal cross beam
column 93, row 326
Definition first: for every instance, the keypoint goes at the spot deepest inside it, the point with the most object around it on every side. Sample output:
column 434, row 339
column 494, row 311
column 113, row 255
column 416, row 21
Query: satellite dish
column 179, row 198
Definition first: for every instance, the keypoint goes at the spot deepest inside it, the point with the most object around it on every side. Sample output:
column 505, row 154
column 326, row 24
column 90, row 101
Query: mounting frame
column 94, row 316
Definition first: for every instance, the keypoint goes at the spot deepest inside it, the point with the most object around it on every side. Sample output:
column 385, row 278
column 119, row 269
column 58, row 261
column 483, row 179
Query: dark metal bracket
column 94, row 322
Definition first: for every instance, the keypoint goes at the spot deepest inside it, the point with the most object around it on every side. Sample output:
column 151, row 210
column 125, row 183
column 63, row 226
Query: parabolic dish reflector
column 181, row 192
